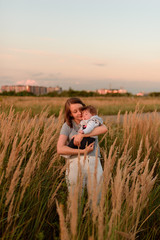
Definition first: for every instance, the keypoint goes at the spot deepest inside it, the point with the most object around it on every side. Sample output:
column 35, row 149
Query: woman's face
column 76, row 112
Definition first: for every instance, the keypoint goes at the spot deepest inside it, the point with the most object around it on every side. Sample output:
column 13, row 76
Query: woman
column 70, row 128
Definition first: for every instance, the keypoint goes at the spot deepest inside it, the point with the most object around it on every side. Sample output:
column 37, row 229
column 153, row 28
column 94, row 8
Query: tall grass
column 30, row 173
column 105, row 105
column 34, row 201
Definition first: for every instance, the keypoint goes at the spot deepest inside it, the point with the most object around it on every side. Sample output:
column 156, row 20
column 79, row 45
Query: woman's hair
column 67, row 113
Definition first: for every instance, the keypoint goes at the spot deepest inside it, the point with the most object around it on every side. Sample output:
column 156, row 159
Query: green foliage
column 118, row 94
column 13, row 93
column 25, row 93
column 76, row 93
column 83, row 93
column 73, row 93
column 154, row 94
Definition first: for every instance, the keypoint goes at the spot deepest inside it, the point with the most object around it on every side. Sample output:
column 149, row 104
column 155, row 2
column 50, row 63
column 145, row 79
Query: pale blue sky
column 81, row 44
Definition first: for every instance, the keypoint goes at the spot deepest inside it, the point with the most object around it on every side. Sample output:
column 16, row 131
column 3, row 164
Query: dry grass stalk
column 55, row 158
column 118, row 119
column 125, row 235
column 101, row 226
column 74, row 198
column 2, row 155
column 12, row 161
column 108, row 165
column 91, row 237
column 10, row 211
column 14, row 182
column 28, row 171
column 137, row 126
column 73, row 210
column 117, row 188
column 1, row 178
column 7, row 133
column 95, row 191
column 52, row 198
column 63, row 227
column 107, row 176
column 130, row 181
column 47, row 137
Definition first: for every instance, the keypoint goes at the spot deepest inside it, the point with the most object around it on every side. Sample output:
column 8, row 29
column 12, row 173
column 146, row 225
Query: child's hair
column 90, row 108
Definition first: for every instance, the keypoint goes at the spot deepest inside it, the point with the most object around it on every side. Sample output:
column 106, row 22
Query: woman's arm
column 63, row 149
column 96, row 131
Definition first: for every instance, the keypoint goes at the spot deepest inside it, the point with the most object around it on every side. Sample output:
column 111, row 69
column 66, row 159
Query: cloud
column 31, row 82
column 27, row 82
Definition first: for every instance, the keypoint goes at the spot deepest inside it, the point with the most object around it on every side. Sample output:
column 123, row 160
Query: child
column 89, row 122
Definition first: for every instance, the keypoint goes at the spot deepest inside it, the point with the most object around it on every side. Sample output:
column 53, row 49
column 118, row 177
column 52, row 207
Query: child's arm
column 96, row 131
column 90, row 126
column 93, row 122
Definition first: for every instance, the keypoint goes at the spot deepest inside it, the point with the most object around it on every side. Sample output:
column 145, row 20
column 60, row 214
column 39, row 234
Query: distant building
column 54, row 89
column 140, row 94
column 123, row 91
column 16, row 88
column 104, row 91
column 37, row 90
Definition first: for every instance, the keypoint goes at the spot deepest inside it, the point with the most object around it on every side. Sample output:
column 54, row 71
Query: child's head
column 88, row 112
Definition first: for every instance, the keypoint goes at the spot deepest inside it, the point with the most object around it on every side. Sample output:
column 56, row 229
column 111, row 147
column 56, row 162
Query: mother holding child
column 80, row 137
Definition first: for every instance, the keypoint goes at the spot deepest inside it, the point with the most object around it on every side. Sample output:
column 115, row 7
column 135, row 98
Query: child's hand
column 81, row 131
column 77, row 139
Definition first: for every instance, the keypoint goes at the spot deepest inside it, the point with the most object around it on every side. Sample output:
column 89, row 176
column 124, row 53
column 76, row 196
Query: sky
column 82, row 44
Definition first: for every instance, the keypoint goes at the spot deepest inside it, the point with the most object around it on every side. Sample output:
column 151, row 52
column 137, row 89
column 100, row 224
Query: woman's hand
column 77, row 139
column 89, row 148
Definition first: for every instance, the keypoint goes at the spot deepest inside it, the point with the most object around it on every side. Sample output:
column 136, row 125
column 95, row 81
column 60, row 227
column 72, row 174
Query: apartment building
column 54, row 89
column 37, row 90
column 104, row 91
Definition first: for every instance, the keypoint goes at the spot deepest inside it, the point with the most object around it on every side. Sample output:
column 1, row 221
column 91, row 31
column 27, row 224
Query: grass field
column 105, row 105
column 34, row 201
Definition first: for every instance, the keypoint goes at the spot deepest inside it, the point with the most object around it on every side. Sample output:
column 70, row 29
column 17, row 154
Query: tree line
column 74, row 93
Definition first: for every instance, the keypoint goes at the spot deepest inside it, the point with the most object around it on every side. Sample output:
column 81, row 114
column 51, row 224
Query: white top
column 88, row 125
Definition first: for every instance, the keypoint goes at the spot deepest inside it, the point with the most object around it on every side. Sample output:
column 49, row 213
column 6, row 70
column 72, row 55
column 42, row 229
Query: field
column 34, row 201
column 105, row 105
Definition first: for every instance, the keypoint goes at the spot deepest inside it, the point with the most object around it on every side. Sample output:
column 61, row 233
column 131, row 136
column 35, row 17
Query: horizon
column 81, row 89
column 84, row 45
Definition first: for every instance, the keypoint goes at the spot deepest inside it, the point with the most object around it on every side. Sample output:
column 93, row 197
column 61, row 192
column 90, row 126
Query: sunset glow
column 81, row 44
